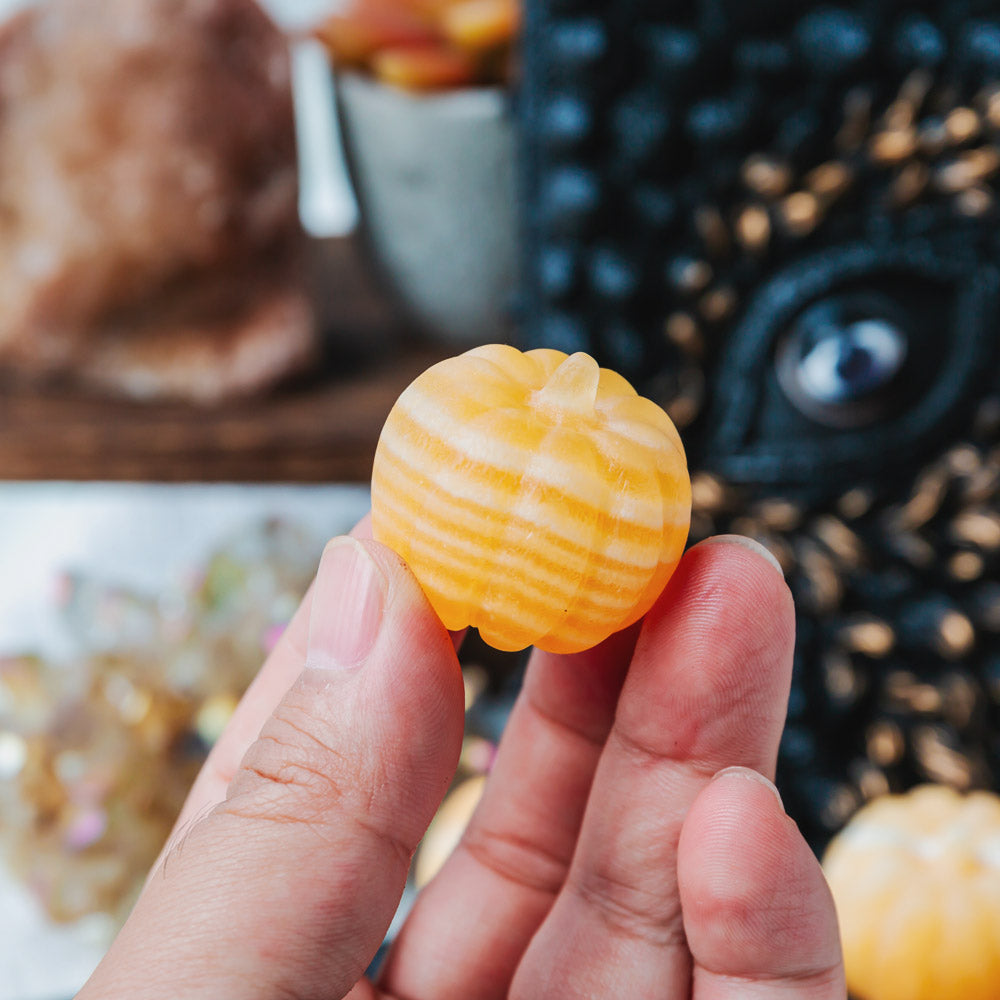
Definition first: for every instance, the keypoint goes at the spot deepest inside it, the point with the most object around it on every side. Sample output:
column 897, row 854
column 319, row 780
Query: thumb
column 287, row 887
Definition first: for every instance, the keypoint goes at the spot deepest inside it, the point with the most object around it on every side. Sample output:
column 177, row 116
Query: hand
column 629, row 843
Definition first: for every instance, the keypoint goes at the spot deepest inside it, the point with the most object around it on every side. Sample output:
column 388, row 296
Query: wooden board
column 321, row 430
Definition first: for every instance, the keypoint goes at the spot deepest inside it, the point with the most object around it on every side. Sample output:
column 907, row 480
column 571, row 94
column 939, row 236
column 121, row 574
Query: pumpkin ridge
column 471, row 533
column 561, row 546
column 586, row 581
column 534, row 502
column 451, row 457
column 436, row 550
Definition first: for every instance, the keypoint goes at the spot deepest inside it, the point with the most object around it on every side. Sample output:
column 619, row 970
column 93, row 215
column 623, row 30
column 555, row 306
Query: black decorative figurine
column 780, row 221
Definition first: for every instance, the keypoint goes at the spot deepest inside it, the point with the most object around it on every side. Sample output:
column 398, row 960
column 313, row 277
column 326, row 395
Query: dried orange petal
column 535, row 496
column 355, row 36
column 431, row 9
column 424, row 68
column 480, row 25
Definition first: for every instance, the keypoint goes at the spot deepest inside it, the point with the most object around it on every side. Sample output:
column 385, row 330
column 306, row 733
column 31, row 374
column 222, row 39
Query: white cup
column 434, row 177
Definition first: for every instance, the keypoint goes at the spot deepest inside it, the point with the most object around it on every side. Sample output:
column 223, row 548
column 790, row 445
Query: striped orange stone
column 535, row 496
column 916, row 881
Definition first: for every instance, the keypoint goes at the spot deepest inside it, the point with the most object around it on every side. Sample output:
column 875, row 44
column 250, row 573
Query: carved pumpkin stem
column 572, row 388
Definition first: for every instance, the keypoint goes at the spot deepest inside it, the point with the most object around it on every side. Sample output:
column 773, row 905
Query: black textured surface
column 779, row 220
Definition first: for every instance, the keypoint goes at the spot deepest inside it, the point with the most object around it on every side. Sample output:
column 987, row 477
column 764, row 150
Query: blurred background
column 232, row 231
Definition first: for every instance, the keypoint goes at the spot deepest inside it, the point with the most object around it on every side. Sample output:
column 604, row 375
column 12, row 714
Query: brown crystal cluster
column 149, row 235
column 97, row 753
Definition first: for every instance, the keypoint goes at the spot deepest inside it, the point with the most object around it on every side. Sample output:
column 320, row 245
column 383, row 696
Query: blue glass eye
column 841, row 360
column 852, row 361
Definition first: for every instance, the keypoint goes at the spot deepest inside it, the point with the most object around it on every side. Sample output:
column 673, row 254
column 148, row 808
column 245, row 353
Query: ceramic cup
column 434, row 176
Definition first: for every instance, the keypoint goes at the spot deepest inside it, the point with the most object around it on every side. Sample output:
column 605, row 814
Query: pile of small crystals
column 97, row 752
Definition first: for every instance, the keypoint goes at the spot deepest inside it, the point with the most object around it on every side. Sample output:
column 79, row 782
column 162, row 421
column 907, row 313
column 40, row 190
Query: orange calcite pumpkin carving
column 535, row 496
column 916, row 879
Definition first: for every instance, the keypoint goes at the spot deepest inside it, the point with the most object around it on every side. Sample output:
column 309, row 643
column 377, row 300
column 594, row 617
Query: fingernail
column 748, row 543
column 347, row 605
column 748, row 774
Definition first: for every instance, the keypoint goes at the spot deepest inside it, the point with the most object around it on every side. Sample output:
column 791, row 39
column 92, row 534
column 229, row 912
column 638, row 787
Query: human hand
column 628, row 842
